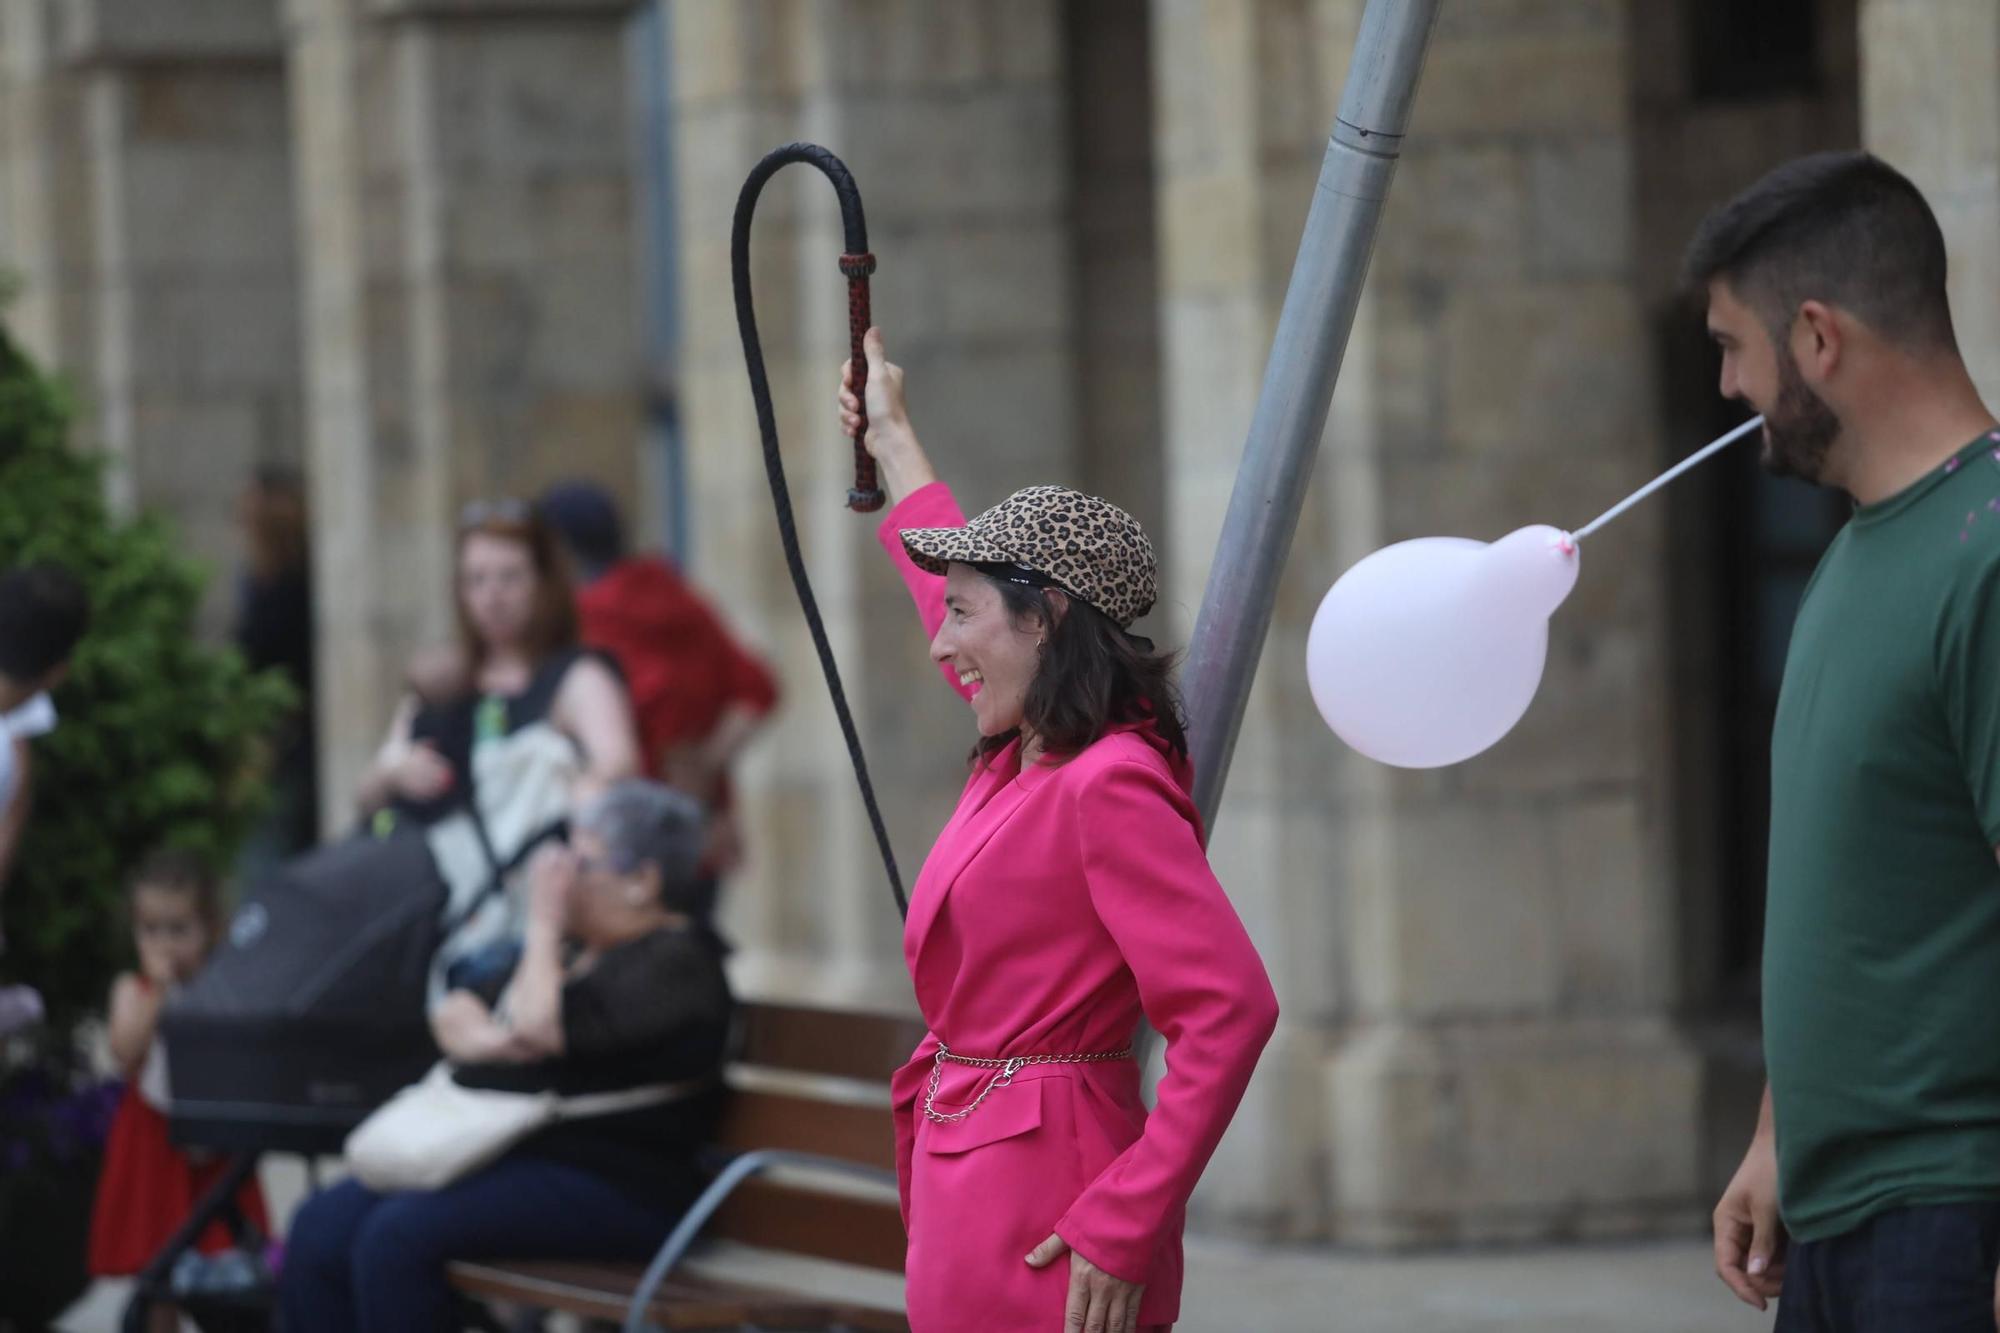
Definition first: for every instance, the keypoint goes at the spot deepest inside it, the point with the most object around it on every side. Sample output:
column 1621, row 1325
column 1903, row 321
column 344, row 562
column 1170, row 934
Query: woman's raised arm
column 917, row 498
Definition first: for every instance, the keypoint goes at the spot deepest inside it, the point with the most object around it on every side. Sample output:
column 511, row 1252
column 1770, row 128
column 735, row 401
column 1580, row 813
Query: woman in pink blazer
column 1068, row 895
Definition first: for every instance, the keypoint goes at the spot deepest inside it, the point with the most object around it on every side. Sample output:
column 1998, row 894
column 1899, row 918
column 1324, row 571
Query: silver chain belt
column 1008, row 1068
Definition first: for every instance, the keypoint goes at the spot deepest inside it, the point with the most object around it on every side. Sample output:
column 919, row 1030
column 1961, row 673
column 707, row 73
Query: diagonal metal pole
column 1298, row 381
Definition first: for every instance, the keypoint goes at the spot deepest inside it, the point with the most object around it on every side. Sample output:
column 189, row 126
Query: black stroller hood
column 311, row 1013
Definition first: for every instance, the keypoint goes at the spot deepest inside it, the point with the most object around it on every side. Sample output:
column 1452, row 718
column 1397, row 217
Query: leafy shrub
column 161, row 734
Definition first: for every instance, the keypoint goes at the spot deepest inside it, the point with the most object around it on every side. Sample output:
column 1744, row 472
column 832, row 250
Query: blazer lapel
column 989, row 802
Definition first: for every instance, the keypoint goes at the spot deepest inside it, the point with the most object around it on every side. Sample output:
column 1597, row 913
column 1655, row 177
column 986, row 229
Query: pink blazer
column 1058, row 905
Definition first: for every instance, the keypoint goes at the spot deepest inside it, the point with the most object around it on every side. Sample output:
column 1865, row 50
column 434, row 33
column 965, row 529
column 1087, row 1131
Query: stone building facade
column 402, row 243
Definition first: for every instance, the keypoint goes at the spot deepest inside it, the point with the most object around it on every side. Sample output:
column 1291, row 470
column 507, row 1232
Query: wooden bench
column 808, row 1090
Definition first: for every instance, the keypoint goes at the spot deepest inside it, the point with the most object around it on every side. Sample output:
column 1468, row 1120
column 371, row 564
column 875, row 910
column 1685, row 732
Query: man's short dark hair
column 43, row 612
column 585, row 517
column 1844, row 228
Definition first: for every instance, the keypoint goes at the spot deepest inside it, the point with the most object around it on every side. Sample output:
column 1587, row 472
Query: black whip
column 856, row 264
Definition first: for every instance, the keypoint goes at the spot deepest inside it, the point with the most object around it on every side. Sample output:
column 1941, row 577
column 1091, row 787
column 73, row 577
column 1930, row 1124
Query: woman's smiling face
column 992, row 654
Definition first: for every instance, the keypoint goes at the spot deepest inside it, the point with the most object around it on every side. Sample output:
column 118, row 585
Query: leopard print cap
column 1091, row 548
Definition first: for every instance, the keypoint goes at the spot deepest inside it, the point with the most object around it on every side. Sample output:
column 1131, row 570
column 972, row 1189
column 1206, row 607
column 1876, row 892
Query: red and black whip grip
column 866, row 497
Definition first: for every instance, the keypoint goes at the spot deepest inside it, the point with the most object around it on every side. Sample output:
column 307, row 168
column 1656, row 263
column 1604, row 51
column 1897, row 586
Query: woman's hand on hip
column 889, row 439
column 1098, row 1302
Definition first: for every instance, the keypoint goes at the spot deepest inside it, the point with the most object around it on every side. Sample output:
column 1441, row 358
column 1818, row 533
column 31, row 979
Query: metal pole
column 1298, row 382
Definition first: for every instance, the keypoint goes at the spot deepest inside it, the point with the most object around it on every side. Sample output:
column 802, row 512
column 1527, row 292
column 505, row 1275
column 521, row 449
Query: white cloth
column 522, row 782
column 37, row 717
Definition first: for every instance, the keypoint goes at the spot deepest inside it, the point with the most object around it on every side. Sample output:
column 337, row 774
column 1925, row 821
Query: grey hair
column 644, row 821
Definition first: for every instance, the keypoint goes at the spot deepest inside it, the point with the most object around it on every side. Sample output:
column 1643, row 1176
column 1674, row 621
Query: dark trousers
column 361, row 1262
column 1927, row 1269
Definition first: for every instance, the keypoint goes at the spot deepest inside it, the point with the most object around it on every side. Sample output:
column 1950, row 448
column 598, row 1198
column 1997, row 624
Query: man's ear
column 1819, row 340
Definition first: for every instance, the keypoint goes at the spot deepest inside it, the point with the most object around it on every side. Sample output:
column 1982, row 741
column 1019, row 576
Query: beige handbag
column 435, row 1132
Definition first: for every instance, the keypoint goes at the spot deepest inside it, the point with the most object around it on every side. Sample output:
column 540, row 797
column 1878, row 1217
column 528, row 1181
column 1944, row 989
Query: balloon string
column 1656, row 483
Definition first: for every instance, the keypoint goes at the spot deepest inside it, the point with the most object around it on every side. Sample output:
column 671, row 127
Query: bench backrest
column 816, row 1081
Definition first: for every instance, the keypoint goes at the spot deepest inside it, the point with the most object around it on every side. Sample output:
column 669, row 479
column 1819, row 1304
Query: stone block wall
column 1482, row 954
column 395, row 238
column 1931, row 107
column 472, row 310
column 150, row 218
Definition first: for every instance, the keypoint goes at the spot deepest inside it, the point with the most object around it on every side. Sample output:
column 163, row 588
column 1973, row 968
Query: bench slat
column 757, row 1119
column 602, row 1291
column 775, row 1215
column 819, row 1041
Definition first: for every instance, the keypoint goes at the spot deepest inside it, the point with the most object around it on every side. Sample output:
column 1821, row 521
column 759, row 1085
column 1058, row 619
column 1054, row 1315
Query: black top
column 654, row 1010
column 274, row 631
column 453, row 727
column 274, row 625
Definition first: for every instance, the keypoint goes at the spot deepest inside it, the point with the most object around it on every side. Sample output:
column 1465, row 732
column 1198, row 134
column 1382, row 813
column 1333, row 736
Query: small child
column 148, row 1186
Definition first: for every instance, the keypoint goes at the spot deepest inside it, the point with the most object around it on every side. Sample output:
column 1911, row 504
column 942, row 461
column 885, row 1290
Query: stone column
column 45, row 197
column 1930, row 107
column 952, row 120
column 1477, row 965
column 472, row 304
column 194, row 369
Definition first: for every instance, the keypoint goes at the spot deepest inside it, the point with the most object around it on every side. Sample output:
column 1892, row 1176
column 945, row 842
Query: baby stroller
column 310, row 1014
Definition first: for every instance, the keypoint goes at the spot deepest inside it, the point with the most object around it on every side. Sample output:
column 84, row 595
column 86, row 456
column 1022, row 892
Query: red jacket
column 682, row 666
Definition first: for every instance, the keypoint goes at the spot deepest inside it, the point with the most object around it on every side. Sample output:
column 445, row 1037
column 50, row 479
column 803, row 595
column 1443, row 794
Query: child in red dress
column 148, row 1186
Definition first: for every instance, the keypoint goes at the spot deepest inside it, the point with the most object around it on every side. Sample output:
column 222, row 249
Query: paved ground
column 1653, row 1288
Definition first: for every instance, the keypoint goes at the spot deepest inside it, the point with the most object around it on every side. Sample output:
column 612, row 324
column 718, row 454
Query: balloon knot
column 1566, row 544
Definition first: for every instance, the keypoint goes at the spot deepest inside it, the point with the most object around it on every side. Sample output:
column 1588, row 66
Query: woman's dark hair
column 272, row 511
column 44, row 610
column 1093, row 676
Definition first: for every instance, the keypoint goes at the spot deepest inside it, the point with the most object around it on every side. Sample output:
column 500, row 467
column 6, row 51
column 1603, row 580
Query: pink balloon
column 1429, row 651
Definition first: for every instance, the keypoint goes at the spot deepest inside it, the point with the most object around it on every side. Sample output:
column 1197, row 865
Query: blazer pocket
column 1009, row 1112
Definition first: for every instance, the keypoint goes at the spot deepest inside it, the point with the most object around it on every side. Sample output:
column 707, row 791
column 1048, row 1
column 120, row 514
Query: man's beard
column 1799, row 429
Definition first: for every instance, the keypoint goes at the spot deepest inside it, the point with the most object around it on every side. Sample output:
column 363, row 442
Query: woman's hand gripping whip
column 866, row 497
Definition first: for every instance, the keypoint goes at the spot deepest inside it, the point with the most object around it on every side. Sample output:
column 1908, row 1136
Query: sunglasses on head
column 480, row 512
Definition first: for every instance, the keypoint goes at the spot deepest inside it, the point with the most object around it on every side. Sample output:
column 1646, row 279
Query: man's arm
column 15, row 817
column 1749, row 1234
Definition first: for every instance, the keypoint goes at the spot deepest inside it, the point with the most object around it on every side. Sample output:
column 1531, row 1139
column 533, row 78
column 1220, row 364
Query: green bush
column 160, row 735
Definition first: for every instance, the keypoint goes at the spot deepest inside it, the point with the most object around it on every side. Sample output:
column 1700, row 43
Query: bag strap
column 594, row 1104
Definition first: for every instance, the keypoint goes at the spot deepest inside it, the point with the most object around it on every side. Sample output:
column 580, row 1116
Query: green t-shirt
column 1882, row 933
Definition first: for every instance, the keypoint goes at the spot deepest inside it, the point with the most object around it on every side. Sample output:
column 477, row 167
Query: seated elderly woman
column 643, row 1002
